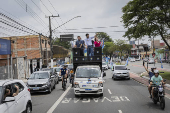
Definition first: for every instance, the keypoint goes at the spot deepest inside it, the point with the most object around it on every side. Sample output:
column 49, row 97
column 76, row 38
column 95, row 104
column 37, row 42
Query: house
column 28, row 52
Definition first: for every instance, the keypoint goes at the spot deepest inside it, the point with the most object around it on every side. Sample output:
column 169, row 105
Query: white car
column 132, row 59
column 17, row 104
column 120, row 72
column 88, row 80
column 104, row 66
column 57, row 70
column 151, row 61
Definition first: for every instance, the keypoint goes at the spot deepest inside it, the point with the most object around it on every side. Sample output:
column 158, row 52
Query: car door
column 7, row 107
column 20, row 98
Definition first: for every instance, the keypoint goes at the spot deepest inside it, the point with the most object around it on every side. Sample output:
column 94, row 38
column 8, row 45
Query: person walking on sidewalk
column 151, row 74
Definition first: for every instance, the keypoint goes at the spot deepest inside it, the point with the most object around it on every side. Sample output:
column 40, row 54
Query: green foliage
column 160, row 51
column 104, row 36
column 65, row 44
column 146, row 18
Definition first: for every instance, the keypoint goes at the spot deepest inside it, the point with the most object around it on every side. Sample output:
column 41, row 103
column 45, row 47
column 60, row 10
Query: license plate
column 121, row 75
column 88, row 89
column 36, row 88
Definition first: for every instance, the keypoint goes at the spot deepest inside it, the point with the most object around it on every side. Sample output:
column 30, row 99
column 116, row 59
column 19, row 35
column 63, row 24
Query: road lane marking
column 105, row 98
column 67, row 100
column 116, row 99
column 109, row 91
column 58, row 101
column 86, row 100
column 120, row 111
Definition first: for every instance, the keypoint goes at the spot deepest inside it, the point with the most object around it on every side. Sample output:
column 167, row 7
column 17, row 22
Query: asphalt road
column 121, row 96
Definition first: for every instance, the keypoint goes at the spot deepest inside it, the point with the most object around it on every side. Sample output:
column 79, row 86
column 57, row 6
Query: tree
column 104, row 36
column 160, row 51
column 65, row 44
column 106, row 48
column 147, row 18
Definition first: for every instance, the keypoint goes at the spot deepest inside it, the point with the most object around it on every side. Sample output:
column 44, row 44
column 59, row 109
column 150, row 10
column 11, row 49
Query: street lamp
column 66, row 22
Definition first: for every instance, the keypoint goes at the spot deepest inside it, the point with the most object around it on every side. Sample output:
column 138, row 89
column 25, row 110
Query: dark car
column 41, row 81
column 53, row 73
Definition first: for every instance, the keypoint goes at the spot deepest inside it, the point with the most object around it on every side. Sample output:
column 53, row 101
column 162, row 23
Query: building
column 28, row 52
column 157, row 44
column 137, row 50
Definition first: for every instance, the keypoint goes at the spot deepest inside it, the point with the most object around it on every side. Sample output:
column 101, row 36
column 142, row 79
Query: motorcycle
column 159, row 95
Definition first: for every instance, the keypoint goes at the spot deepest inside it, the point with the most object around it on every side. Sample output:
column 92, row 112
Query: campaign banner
column 5, row 47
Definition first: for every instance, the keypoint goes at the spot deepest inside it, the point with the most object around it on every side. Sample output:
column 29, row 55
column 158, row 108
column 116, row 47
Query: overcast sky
column 94, row 13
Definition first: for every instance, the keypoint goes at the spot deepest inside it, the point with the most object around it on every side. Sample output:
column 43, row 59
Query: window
column 1, row 93
column 20, row 86
column 120, row 68
column 86, row 72
column 44, row 75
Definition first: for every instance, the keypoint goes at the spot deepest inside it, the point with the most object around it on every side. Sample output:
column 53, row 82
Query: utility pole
column 51, row 39
column 42, row 55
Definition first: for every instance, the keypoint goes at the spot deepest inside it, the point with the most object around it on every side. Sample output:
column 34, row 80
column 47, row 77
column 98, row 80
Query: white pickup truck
column 88, row 80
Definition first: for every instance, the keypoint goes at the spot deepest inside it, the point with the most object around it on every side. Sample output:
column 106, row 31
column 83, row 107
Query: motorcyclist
column 151, row 73
column 156, row 79
column 63, row 73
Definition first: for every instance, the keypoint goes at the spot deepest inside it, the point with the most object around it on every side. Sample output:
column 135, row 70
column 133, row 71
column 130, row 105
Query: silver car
column 120, row 72
column 57, row 70
column 41, row 81
column 151, row 61
column 104, row 66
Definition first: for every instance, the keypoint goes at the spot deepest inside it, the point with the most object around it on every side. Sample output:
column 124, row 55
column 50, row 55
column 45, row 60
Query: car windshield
column 86, row 72
column 120, row 68
column 57, row 69
column 103, row 63
column 39, row 76
column 70, row 66
column 0, row 93
column 46, row 69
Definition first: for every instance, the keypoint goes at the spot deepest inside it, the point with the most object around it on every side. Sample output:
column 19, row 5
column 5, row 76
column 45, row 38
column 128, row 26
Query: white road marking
column 67, row 100
column 76, row 100
column 124, row 98
column 58, row 101
column 116, row 99
column 86, row 100
column 167, row 96
column 120, row 111
column 96, row 99
column 105, row 98
column 109, row 91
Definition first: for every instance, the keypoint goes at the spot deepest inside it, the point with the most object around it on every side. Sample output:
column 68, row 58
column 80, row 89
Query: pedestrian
column 97, row 43
column 89, row 46
column 80, row 44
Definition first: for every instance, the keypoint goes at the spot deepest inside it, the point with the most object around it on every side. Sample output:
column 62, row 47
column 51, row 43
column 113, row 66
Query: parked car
column 17, row 104
column 151, row 61
column 41, row 81
column 53, row 73
column 57, row 70
column 145, row 59
column 104, row 66
column 137, row 59
column 120, row 71
column 132, row 59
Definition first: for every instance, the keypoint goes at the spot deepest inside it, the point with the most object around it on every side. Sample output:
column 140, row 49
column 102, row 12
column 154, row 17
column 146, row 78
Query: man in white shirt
column 89, row 46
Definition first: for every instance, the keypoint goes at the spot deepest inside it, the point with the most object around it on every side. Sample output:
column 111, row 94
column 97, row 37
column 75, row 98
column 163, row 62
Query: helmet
column 156, row 71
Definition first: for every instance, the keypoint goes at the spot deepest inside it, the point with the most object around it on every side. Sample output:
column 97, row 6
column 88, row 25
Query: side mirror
column 9, row 99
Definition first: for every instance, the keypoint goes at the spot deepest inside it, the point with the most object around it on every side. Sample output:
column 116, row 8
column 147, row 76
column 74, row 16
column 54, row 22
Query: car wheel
column 28, row 109
column 50, row 90
column 54, row 86
column 128, row 78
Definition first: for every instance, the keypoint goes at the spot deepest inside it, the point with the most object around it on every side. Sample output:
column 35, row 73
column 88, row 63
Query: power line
column 56, row 12
column 18, row 19
column 31, row 13
column 49, row 11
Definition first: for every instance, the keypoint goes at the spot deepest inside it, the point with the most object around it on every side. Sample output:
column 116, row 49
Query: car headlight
column 100, row 84
column 76, row 85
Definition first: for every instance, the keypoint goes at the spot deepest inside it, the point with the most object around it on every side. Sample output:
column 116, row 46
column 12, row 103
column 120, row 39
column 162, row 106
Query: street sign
column 67, row 37
column 153, row 54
